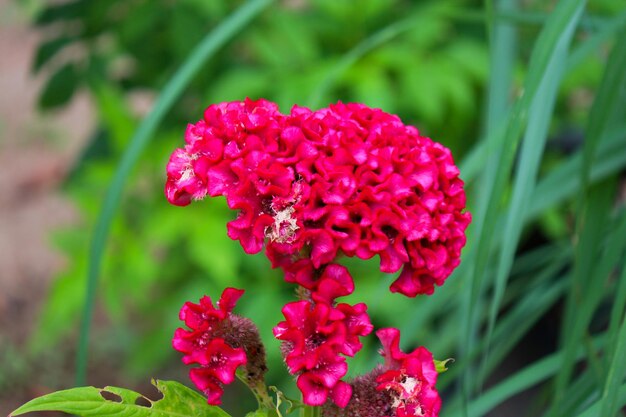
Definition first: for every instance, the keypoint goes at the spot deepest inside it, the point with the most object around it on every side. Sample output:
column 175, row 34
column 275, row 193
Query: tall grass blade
column 564, row 181
column 502, row 41
column 619, row 302
column 617, row 368
column 207, row 47
column 555, row 36
column 475, row 161
column 593, row 206
column 594, row 409
column 526, row 378
column 532, row 146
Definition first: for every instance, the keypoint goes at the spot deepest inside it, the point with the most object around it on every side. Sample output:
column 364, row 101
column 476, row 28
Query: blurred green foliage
column 160, row 256
column 427, row 61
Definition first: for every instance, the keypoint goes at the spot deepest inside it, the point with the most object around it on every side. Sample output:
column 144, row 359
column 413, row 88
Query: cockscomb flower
column 219, row 342
column 409, row 378
column 316, row 338
column 404, row 386
column 313, row 185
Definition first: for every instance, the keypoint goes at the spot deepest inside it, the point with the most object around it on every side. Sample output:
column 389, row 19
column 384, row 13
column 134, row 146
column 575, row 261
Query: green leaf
column 49, row 49
column 60, row 87
column 530, row 155
column 610, row 398
column 177, row 401
column 59, row 12
column 594, row 205
column 259, row 413
column 551, row 45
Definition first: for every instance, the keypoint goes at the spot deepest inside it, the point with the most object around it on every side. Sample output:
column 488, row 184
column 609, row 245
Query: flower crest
column 312, row 185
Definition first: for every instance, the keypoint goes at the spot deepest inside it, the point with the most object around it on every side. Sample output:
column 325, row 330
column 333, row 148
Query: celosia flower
column 219, row 342
column 313, row 185
column 218, row 363
column 315, row 336
column 403, row 387
column 409, row 378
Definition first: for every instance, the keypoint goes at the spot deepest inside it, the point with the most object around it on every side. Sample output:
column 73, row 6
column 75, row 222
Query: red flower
column 315, row 336
column 218, row 363
column 205, row 343
column 313, row 185
column 408, row 377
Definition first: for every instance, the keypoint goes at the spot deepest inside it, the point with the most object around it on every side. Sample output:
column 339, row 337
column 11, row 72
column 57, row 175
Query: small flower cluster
column 314, row 336
column 312, row 186
column 409, row 378
column 219, row 342
column 404, row 386
column 346, row 179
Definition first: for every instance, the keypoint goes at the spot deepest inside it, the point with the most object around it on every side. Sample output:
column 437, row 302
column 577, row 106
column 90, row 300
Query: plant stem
column 259, row 389
column 311, row 411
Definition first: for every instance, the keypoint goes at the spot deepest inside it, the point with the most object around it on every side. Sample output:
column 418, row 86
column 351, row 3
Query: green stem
column 311, row 411
column 259, row 389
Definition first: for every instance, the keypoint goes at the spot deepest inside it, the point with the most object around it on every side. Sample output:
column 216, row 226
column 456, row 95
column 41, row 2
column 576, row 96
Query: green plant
column 427, row 63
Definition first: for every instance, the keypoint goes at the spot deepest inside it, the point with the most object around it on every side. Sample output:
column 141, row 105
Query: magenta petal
column 330, row 374
column 206, row 383
column 390, row 339
column 229, row 298
column 341, row 394
column 313, row 392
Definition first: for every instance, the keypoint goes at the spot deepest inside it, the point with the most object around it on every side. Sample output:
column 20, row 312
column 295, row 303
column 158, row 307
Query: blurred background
column 77, row 78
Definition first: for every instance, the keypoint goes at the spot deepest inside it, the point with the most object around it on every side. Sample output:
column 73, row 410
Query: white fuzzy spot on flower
column 186, row 175
column 404, row 395
column 409, row 384
column 284, row 227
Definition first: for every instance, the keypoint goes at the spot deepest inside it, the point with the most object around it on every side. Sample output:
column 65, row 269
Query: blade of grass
column 604, row 106
column 615, row 352
column 593, row 410
column 619, row 302
column 617, row 368
column 475, row 160
column 594, row 204
column 502, row 47
column 502, row 41
column 564, row 181
column 585, row 292
column 555, row 35
column 207, row 47
column 532, row 146
column 522, row 380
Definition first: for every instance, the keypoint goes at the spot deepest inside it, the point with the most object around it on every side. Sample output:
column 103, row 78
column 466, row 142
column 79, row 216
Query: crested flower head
column 312, row 185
